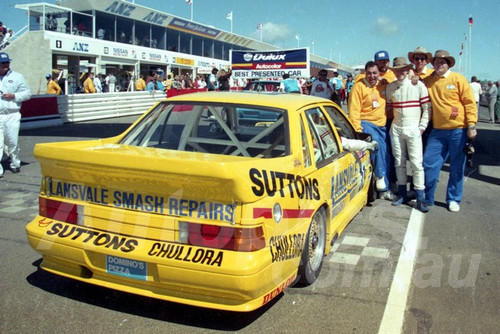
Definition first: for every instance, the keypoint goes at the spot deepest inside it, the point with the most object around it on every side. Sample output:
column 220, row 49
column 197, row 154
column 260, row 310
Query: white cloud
column 384, row 26
column 273, row 33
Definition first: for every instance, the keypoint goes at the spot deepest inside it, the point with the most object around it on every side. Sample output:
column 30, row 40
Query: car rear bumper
column 212, row 278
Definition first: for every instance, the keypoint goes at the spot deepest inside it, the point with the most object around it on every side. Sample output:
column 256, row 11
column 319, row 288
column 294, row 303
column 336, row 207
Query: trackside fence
column 84, row 107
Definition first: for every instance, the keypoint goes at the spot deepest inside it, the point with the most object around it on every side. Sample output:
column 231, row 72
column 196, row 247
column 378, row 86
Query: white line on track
column 392, row 321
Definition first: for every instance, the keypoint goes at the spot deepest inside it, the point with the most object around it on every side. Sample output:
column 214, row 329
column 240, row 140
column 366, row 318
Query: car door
column 339, row 173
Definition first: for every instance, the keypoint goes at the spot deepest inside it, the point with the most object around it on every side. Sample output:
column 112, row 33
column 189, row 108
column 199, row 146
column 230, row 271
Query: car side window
column 324, row 142
column 306, row 153
column 341, row 123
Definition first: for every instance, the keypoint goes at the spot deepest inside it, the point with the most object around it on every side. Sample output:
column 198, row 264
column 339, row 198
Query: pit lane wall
column 50, row 110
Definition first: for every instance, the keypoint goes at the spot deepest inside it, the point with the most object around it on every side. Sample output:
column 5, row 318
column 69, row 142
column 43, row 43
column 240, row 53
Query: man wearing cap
column 454, row 117
column 382, row 60
column 52, row 86
column 321, row 87
column 13, row 91
column 420, row 57
column 367, row 114
column 410, row 106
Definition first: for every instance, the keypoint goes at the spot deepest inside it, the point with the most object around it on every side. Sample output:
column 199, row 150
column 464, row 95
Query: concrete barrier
column 84, row 107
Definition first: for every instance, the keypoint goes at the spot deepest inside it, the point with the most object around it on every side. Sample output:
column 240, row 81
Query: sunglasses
column 420, row 58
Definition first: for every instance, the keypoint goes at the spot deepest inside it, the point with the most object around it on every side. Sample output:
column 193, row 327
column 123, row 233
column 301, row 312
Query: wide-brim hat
column 443, row 54
column 400, row 63
column 419, row 50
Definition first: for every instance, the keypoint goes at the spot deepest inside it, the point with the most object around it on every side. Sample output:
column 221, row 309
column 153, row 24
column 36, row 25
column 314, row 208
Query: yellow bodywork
column 132, row 202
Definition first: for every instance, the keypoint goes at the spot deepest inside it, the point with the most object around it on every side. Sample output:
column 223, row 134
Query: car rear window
column 228, row 129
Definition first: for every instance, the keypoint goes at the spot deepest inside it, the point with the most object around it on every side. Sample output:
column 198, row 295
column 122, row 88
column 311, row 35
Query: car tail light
column 223, row 237
column 57, row 210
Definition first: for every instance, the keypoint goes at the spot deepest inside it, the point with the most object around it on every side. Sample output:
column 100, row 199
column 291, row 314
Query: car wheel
column 314, row 250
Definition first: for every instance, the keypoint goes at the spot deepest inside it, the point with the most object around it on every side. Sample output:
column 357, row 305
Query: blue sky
column 351, row 31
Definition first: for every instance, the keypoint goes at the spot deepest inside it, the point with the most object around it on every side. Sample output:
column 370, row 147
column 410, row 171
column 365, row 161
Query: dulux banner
column 270, row 64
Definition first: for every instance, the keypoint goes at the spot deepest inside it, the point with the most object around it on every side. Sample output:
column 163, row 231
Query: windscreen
column 228, row 129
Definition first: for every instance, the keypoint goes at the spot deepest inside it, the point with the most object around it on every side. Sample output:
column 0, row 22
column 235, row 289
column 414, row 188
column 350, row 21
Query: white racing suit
column 410, row 104
column 10, row 117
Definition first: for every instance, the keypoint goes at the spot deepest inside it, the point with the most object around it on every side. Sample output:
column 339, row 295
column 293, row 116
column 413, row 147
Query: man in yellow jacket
column 454, row 117
column 88, row 84
column 140, row 84
column 52, row 86
column 367, row 114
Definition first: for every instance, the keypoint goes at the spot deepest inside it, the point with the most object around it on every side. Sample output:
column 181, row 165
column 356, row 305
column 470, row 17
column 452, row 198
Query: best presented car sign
column 270, row 64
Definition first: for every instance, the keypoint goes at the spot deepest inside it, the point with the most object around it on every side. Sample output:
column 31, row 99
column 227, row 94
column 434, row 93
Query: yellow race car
column 218, row 200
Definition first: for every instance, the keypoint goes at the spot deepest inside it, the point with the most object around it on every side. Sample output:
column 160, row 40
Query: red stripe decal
column 262, row 213
column 293, row 213
column 287, row 213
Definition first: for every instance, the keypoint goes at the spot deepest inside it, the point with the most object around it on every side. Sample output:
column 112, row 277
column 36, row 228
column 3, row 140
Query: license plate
column 126, row 268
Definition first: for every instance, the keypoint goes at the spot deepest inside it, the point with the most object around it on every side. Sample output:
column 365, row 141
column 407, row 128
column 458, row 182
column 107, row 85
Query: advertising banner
column 270, row 64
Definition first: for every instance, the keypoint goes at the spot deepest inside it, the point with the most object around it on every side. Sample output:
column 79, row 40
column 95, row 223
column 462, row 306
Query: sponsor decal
column 349, row 181
column 156, row 18
column 184, row 253
column 44, row 222
column 285, row 284
column 121, row 52
column 126, row 268
column 96, row 238
column 286, row 247
column 142, row 202
column 193, row 28
column 271, row 183
column 155, row 56
column 184, row 61
column 120, row 8
column 270, row 64
column 81, row 47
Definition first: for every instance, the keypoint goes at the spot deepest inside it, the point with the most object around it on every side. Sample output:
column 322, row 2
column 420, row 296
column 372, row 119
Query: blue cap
column 381, row 55
column 48, row 76
column 4, row 58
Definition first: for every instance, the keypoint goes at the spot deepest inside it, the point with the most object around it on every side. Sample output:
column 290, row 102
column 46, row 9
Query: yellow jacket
column 368, row 104
column 140, row 84
column 453, row 103
column 88, row 86
column 53, row 88
column 388, row 75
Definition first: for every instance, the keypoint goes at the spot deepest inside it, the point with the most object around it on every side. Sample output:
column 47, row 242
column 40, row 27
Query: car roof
column 274, row 99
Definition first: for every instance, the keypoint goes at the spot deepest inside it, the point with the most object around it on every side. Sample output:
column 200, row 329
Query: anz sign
column 81, row 47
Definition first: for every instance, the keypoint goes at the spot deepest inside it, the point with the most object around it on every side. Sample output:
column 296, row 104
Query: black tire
column 314, row 250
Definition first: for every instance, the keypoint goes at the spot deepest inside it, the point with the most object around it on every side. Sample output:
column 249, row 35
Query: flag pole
column 470, row 45
column 192, row 6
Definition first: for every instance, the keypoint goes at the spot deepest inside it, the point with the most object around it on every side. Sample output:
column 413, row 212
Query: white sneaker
column 380, row 183
column 453, row 206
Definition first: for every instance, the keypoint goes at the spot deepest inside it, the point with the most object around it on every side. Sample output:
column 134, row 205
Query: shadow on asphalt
column 143, row 306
